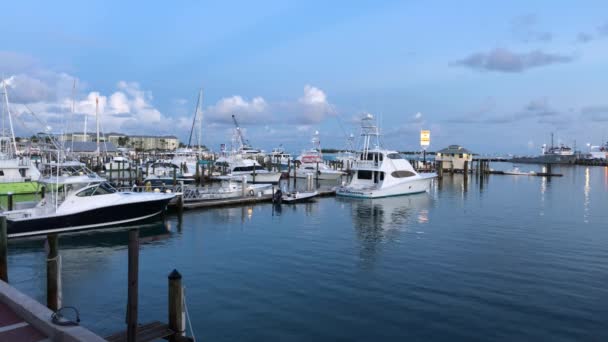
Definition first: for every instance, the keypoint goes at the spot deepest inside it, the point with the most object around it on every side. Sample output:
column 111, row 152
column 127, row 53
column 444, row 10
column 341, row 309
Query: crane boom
column 238, row 131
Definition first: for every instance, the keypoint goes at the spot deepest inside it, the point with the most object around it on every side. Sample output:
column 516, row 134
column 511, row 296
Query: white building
column 454, row 157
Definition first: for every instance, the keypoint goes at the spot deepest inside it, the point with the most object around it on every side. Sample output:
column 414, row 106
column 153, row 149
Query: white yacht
column 239, row 167
column 118, row 162
column 78, row 199
column 379, row 172
column 278, row 156
column 311, row 162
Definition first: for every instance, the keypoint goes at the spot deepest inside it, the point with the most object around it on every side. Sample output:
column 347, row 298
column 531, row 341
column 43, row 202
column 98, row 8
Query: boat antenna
column 97, row 122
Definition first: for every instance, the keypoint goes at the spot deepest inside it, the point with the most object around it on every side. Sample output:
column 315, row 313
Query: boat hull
column 90, row 219
column 546, row 159
column 322, row 175
column 420, row 185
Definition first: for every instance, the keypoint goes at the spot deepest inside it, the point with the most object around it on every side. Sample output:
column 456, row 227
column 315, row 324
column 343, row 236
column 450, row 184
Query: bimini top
column 454, row 149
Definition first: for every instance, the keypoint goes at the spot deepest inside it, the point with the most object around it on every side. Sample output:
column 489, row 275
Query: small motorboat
column 517, row 172
column 297, row 197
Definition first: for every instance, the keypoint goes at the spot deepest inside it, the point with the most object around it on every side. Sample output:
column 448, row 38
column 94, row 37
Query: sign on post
column 425, row 138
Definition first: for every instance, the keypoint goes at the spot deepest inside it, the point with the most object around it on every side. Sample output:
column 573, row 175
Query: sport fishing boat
column 78, row 199
column 311, row 162
column 278, row 156
column 239, row 167
column 378, row 172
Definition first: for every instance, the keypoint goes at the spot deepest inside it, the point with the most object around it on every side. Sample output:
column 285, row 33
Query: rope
column 58, row 319
column 188, row 316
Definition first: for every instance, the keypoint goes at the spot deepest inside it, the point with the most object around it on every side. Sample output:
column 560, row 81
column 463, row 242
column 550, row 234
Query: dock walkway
column 25, row 320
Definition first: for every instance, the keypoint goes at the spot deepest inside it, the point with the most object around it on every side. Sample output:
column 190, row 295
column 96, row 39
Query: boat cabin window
column 309, row 168
column 247, row 168
column 402, row 174
column 460, row 156
column 364, row 174
column 86, row 192
column 394, row 156
column 1, row 172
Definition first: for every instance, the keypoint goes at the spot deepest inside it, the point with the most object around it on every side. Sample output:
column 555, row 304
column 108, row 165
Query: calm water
column 515, row 258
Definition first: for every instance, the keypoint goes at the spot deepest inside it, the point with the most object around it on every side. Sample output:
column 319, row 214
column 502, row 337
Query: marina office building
column 140, row 142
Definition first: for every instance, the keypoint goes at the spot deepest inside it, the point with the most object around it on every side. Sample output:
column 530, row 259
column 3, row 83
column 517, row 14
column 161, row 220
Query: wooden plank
column 145, row 332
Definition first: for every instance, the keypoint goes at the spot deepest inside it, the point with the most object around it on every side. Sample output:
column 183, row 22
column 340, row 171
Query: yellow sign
column 425, row 138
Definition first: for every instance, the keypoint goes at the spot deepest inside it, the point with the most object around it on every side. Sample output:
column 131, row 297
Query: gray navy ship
column 560, row 154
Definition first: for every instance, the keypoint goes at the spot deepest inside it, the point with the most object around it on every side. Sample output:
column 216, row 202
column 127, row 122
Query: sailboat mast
column 10, row 119
column 194, row 119
column 200, row 122
column 97, row 121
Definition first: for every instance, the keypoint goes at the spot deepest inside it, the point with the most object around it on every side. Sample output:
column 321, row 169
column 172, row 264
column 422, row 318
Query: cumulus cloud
column 250, row 112
column 503, row 60
column 525, row 29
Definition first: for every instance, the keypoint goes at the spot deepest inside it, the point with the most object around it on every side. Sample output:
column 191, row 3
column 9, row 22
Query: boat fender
column 251, row 193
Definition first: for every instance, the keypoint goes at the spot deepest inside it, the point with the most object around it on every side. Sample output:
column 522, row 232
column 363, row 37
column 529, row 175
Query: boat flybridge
column 379, row 172
column 78, row 199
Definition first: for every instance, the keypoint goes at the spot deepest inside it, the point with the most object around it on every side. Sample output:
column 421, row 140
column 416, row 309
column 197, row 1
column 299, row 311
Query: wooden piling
column 3, row 249
column 110, row 174
column 53, row 273
column 9, row 201
column 176, row 306
column 132, row 294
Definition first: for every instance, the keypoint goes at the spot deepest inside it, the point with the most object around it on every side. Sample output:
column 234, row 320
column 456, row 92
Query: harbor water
column 507, row 258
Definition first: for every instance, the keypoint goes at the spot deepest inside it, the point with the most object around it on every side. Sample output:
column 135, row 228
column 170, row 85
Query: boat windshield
column 100, row 189
column 394, row 156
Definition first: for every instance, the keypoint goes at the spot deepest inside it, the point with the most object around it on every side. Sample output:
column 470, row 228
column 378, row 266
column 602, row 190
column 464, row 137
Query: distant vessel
column 379, row 172
column 560, row 154
column 599, row 152
column 239, row 167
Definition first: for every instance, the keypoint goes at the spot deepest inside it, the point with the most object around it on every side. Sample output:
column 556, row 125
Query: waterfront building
column 138, row 142
column 453, row 157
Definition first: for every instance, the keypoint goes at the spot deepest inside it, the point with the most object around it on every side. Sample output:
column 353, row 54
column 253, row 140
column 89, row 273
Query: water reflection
column 586, row 191
column 106, row 238
column 384, row 220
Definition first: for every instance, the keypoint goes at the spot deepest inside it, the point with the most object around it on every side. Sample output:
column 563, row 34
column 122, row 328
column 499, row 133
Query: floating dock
column 243, row 200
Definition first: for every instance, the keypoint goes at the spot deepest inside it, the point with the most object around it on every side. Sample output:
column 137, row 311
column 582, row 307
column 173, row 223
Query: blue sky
column 494, row 78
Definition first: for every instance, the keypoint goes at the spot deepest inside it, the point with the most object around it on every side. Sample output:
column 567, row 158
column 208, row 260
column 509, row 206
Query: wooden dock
column 237, row 201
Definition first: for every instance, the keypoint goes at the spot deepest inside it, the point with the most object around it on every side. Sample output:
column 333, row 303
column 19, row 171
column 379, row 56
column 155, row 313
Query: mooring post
column 53, row 273
column 133, row 266
column 253, row 180
column 9, row 201
column 288, row 167
column 466, row 167
column 176, row 306
column 110, row 174
column 3, row 250
column 197, row 174
column 174, row 177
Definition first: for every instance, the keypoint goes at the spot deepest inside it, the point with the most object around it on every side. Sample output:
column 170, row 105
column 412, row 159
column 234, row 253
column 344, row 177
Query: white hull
column 414, row 186
column 270, row 177
column 322, row 175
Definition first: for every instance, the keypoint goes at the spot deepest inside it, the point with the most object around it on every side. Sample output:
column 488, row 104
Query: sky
column 495, row 77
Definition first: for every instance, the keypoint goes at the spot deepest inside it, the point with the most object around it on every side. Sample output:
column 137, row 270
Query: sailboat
column 18, row 174
column 187, row 158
